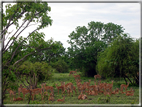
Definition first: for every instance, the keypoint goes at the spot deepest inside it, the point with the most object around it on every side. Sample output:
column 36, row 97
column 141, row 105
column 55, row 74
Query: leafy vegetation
column 19, row 48
column 87, row 42
column 116, row 59
column 42, row 70
column 60, row 66
column 98, row 48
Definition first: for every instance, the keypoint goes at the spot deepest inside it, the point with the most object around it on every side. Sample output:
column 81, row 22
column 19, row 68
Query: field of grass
column 99, row 99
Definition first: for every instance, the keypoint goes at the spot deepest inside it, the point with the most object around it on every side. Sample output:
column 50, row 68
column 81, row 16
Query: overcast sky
column 67, row 16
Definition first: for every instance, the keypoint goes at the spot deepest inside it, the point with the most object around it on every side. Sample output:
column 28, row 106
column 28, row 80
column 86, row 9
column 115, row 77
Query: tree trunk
column 128, row 79
column 5, row 85
column 33, row 81
column 125, row 79
column 137, row 80
column 36, row 79
column 30, row 97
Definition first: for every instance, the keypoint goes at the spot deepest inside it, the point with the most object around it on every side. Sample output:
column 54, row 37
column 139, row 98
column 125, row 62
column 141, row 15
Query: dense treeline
column 120, row 59
column 105, row 49
column 98, row 48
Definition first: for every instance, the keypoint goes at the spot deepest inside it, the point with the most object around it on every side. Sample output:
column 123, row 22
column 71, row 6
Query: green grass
column 99, row 99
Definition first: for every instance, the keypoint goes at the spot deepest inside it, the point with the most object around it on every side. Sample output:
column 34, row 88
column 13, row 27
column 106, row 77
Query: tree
column 111, row 32
column 17, row 49
column 60, row 65
column 51, row 55
column 133, row 62
column 86, row 42
column 35, row 72
column 120, row 59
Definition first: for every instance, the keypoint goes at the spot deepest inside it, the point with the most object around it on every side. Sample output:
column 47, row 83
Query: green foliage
column 68, row 60
column 26, row 12
column 36, row 39
column 120, row 58
column 42, row 70
column 18, row 49
column 86, row 42
column 114, row 99
column 10, row 76
column 112, row 31
column 108, row 99
column 36, row 12
column 61, row 66
column 53, row 52
column 54, row 85
column 99, row 99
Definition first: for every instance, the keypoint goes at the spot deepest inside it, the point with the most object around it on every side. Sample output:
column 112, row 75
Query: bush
column 42, row 70
column 61, row 66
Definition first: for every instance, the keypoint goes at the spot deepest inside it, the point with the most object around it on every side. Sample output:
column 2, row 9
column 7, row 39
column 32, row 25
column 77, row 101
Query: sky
column 67, row 16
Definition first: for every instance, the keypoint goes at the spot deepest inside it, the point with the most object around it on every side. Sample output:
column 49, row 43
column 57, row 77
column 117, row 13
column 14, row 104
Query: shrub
column 61, row 66
column 41, row 69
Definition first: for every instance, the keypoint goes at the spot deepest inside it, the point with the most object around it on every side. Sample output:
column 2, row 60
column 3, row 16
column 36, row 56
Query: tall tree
column 86, row 42
column 49, row 55
column 120, row 59
column 17, row 49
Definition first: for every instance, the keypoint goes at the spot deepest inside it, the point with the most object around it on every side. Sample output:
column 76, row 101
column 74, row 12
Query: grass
column 99, row 99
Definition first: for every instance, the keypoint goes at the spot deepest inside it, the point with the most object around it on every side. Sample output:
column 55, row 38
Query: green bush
column 44, row 70
column 41, row 69
column 61, row 66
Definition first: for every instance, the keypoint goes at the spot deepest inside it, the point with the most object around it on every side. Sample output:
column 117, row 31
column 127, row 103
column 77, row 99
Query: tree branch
column 26, row 87
column 18, row 34
column 29, row 55
column 8, row 34
column 27, row 80
column 23, row 58
column 128, row 79
column 19, row 46
column 9, row 24
column 32, row 25
column 29, row 46
column 24, row 29
column 15, row 33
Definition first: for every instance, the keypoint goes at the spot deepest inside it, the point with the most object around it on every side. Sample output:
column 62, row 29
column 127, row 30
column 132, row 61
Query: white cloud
column 67, row 16
column 70, row 15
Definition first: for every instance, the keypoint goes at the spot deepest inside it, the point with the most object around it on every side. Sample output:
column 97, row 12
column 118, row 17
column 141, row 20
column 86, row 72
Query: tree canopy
column 120, row 59
column 86, row 42
column 15, row 48
column 96, row 48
